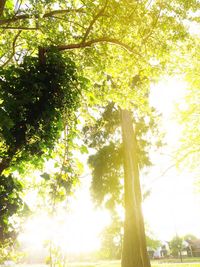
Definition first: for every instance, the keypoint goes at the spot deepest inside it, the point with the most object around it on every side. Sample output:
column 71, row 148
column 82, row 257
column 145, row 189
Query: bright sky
column 172, row 207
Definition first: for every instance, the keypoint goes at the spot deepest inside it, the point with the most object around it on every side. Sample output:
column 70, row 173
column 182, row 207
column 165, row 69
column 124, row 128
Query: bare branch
column 99, row 14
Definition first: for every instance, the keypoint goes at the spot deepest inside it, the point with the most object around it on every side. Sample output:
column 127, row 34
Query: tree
column 34, row 101
column 142, row 35
column 176, row 246
column 107, row 164
column 134, row 234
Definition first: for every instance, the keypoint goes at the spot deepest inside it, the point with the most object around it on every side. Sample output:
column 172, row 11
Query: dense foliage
column 34, row 98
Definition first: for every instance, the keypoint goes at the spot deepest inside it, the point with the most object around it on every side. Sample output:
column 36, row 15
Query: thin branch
column 69, row 21
column 46, row 15
column 16, row 18
column 99, row 14
column 62, row 12
column 20, row 28
column 13, row 48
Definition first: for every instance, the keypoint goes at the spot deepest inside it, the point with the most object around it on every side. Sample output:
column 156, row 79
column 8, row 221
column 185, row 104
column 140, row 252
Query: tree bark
column 134, row 252
column 2, row 6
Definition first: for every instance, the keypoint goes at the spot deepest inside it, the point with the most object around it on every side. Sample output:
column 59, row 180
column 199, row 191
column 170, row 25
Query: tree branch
column 98, row 40
column 62, row 12
column 99, row 14
column 16, row 18
column 19, row 28
column 46, row 15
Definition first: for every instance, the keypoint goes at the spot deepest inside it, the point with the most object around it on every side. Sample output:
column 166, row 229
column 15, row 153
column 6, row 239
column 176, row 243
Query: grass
column 117, row 264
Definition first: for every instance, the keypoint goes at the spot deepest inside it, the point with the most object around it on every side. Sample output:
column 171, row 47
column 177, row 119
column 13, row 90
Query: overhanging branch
column 96, row 41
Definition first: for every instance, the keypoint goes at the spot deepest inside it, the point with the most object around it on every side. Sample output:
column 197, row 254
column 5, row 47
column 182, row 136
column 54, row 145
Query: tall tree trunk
column 134, row 252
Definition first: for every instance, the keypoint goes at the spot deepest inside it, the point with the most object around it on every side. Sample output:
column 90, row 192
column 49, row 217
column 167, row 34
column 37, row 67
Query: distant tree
column 190, row 237
column 176, row 246
column 152, row 242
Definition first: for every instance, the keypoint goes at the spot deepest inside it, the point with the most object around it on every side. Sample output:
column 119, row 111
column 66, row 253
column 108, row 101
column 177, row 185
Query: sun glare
column 75, row 232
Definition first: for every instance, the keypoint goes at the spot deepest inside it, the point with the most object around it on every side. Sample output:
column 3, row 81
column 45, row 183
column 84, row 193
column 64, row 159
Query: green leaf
column 46, row 176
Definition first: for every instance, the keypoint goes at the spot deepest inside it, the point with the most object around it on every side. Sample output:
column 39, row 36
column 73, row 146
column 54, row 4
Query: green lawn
column 117, row 264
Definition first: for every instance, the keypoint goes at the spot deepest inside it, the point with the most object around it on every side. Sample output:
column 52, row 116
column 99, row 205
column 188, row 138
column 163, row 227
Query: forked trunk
column 134, row 252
